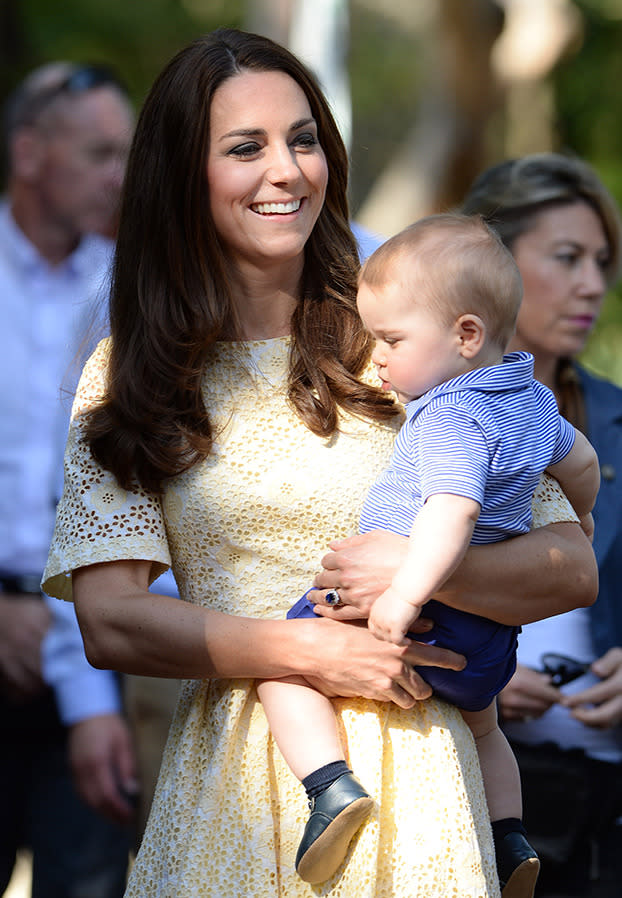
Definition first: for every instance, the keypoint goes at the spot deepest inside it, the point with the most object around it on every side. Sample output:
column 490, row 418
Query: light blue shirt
column 45, row 316
column 367, row 241
column 486, row 435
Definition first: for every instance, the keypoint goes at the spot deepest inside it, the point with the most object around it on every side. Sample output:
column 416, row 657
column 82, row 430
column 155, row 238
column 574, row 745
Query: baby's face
column 414, row 350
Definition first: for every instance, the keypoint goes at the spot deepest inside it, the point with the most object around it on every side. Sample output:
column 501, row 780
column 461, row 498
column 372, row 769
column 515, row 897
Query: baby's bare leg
column 499, row 768
column 302, row 722
column 517, row 862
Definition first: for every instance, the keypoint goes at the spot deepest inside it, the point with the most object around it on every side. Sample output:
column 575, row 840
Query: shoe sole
column 328, row 851
column 522, row 882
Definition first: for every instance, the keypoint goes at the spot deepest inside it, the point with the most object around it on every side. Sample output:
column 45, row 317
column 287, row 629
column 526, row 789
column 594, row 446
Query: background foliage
column 587, row 93
column 139, row 36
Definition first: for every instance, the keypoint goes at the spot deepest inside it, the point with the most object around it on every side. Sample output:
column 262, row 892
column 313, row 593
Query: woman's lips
column 279, row 208
column 584, row 322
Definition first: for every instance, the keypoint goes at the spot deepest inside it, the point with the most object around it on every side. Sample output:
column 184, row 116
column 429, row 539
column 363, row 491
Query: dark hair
column 510, row 195
column 171, row 295
column 455, row 264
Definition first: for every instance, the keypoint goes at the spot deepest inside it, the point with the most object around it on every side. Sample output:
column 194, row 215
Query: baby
column 441, row 299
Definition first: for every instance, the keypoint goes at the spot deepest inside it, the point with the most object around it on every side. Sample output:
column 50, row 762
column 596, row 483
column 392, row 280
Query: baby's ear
column 471, row 333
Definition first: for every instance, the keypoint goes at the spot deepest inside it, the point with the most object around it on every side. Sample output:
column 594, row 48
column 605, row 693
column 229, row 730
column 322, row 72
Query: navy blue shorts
column 490, row 650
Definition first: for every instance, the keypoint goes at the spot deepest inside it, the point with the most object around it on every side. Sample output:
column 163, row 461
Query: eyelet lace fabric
column 245, row 531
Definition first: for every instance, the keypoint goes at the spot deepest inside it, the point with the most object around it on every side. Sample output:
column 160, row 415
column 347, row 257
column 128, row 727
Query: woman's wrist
column 240, row 647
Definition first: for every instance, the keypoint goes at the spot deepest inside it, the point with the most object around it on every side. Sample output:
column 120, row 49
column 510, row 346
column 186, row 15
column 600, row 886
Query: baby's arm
column 579, row 475
column 439, row 538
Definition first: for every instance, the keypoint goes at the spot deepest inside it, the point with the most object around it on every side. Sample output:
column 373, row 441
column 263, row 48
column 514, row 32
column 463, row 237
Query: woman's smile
column 266, row 169
column 277, row 208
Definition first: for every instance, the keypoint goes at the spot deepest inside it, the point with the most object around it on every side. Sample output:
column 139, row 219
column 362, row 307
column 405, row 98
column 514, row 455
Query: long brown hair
column 171, row 293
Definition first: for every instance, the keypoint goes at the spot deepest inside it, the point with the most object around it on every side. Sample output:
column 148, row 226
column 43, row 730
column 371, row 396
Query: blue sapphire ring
column 333, row 598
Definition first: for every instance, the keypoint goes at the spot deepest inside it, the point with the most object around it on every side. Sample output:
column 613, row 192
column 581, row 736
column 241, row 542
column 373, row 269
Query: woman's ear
column 471, row 334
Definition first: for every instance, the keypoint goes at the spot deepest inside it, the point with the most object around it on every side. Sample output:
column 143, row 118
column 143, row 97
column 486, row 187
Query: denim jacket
column 603, row 401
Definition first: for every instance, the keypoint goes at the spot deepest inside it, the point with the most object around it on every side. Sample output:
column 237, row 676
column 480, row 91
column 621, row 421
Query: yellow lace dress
column 245, row 531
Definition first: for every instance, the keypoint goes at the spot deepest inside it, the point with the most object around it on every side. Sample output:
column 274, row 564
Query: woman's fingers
column 327, row 608
column 423, row 655
column 361, row 567
column 356, row 663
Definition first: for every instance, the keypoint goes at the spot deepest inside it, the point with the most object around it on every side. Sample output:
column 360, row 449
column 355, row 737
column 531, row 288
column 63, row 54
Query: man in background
column 67, row 765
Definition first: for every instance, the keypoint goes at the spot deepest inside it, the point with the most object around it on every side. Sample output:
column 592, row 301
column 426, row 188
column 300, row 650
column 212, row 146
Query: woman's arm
column 127, row 628
column 547, row 571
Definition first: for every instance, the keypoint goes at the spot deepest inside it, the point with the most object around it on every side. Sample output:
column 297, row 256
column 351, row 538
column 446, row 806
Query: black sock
column 500, row 828
column 319, row 781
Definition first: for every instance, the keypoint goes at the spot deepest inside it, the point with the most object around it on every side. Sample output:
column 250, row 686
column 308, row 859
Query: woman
column 562, row 227
column 228, row 427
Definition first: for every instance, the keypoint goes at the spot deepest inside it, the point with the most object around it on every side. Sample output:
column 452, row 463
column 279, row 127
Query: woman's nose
column 282, row 165
column 593, row 280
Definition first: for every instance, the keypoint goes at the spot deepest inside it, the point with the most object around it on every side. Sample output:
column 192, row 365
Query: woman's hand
column 600, row 705
column 350, row 661
column 361, row 567
column 528, row 694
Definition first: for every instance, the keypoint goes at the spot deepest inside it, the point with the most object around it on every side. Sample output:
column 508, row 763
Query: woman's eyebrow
column 256, row 132
column 302, row 122
column 243, row 132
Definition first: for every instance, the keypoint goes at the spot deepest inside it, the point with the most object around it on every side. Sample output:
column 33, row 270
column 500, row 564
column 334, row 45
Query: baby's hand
column 392, row 616
column 587, row 525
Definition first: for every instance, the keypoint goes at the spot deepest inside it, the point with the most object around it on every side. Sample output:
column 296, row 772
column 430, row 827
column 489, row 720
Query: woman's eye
column 305, row 140
column 244, row 149
column 567, row 258
column 603, row 262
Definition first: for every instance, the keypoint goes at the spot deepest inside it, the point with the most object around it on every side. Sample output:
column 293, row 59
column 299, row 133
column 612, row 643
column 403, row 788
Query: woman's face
column 562, row 261
column 266, row 171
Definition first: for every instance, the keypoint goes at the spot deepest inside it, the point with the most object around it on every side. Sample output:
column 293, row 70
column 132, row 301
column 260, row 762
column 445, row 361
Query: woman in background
column 562, row 226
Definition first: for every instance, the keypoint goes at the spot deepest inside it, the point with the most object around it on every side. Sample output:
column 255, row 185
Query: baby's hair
column 459, row 264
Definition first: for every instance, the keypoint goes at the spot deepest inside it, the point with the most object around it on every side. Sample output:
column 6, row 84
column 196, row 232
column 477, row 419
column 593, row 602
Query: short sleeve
column 550, row 505
column 96, row 520
column 453, row 453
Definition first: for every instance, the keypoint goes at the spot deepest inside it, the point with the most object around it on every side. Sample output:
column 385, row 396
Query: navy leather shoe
column 336, row 815
column 518, row 866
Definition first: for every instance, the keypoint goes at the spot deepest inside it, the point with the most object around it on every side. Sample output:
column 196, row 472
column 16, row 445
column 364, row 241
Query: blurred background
column 428, row 92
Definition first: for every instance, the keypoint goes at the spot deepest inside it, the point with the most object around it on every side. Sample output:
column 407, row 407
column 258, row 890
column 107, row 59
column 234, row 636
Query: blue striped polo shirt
column 486, row 435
